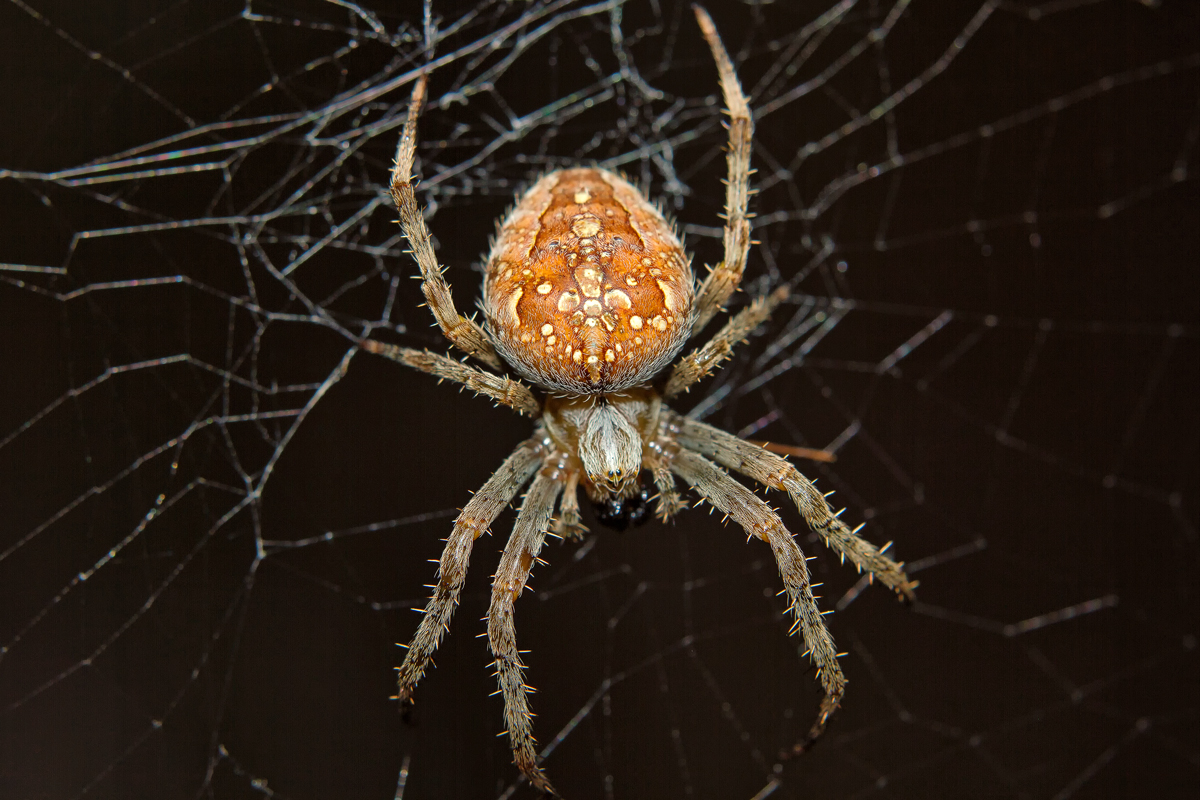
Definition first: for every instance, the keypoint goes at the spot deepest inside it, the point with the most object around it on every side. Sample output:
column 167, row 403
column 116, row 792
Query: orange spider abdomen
column 587, row 288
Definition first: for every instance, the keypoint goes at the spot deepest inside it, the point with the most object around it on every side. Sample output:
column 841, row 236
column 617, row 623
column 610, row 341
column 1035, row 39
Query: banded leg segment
column 475, row 518
column 776, row 472
column 703, row 361
column 756, row 517
column 505, row 391
column 520, row 554
column 466, row 334
column 723, row 280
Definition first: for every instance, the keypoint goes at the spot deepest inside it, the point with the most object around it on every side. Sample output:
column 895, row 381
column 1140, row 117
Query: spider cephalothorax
column 589, row 295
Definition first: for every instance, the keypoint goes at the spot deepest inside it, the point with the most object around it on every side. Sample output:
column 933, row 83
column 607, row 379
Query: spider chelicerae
column 589, row 296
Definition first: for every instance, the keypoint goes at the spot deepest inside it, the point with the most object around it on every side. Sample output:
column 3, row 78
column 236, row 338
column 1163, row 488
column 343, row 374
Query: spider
column 589, row 296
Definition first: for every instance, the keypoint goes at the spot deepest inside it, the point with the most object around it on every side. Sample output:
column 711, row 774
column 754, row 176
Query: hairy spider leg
column 704, row 360
column 760, row 521
column 776, row 472
column 474, row 520
column 724, row 278
column 465, row 334
column 520, row 554
column 502, row 389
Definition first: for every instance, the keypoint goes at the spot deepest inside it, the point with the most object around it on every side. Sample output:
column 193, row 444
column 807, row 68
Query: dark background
column 206, row 558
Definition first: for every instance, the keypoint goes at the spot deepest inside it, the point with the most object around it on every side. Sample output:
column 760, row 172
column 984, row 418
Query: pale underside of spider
column 589, row 296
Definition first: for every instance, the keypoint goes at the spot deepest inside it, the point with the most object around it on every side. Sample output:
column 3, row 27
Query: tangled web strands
column 218, row 513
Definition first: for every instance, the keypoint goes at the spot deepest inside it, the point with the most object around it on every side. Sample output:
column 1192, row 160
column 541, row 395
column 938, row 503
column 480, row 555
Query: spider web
column 218, row 513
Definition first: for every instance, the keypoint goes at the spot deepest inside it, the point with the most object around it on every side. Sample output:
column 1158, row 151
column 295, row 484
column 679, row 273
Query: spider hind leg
column 760, row 521
column 520, row 554
column 475, row 518
column 776, row 472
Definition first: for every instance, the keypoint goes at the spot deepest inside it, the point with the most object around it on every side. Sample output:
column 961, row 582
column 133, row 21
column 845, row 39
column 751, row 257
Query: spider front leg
column 757, row 518
column 776, row 472
column 520, row 554
column 724, row 278
column 466, row 334
column 475, row 518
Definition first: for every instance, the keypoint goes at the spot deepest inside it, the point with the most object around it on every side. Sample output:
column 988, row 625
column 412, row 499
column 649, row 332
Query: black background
column 1038, row 452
